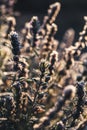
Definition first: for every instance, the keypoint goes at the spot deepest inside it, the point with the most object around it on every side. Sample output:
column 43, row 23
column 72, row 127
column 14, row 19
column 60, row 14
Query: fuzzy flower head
column 69, row 92
column 15, row 43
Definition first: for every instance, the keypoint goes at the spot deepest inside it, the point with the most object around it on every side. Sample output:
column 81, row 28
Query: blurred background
column 70, row 16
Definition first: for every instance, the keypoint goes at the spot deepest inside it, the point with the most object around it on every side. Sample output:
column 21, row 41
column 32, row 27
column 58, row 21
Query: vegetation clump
column 43, row 82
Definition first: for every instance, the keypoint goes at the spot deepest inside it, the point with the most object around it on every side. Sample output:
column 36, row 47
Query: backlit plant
column 43, row 83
